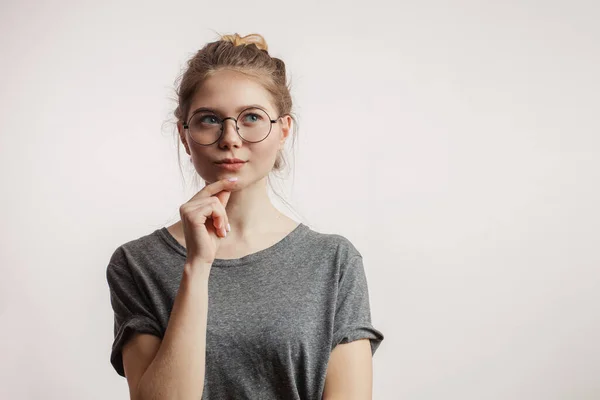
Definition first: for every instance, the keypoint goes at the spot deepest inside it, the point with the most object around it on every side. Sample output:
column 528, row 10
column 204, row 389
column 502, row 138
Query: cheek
column 265, row 155
column 201, row 160
column 203, row 165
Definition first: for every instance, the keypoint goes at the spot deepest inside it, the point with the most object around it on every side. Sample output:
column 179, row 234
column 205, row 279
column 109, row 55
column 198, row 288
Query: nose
column 230, row 136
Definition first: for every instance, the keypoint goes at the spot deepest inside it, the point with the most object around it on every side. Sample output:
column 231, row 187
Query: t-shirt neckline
column 281, row 246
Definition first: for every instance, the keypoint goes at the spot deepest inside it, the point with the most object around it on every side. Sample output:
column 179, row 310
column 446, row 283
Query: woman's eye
column 252, row 117
column 209, row 119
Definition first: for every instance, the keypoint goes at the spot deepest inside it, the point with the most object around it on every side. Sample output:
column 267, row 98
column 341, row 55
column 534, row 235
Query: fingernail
column 232, row 179
column 228, row 228
column 224, row 232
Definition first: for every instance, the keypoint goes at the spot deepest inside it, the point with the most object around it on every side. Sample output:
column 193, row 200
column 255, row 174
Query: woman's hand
column 205, row 221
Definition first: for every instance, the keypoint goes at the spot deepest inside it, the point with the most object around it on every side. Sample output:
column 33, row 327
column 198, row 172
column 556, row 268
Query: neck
column 250, row 211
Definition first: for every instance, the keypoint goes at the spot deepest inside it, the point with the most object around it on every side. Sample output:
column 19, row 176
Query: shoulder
column 332, row 245
column 135, row 252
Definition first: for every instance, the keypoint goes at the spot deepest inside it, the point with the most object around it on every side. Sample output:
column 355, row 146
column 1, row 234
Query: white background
column 454, row 143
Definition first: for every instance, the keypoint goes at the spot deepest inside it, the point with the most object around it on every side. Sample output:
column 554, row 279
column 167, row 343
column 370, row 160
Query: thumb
column 223, row 197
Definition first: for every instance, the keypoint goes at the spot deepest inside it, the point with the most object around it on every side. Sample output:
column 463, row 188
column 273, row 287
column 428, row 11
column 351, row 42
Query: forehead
column 226, row 91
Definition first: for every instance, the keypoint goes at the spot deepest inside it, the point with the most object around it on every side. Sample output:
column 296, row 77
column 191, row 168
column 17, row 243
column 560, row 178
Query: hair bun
column 253, row 38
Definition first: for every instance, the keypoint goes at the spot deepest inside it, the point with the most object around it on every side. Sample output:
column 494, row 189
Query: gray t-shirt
column 274, row 316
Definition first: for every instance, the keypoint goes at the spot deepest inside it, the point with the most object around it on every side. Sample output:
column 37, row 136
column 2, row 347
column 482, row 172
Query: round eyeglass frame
column 237, row 128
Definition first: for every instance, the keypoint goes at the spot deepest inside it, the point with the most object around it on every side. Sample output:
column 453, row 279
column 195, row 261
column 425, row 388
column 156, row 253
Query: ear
column 286, row 129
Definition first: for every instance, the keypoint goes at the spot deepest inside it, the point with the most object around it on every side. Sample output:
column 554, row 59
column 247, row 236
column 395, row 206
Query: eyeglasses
column 253, row 125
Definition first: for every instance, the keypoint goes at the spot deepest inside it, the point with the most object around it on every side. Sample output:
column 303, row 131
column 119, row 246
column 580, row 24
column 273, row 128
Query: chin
column 218, row 177
column 244, row 177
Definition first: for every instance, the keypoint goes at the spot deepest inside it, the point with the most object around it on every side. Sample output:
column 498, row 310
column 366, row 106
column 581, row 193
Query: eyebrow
column 238, row 110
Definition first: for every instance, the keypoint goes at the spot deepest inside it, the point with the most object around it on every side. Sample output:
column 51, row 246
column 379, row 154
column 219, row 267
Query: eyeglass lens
column 253, row 125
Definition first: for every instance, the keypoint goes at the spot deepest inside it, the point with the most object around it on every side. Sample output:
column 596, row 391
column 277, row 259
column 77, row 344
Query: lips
column 230, row 161
column 231, row 166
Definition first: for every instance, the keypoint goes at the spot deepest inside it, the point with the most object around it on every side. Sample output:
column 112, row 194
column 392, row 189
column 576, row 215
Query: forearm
column 177, row 371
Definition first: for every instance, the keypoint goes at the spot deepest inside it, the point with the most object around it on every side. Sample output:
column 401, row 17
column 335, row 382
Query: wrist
column 197, row 270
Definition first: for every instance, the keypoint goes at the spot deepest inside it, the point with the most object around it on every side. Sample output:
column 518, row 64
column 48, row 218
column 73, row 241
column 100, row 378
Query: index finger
column 216, row 187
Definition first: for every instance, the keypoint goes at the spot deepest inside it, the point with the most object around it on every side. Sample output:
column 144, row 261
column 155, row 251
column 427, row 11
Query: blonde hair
column 253, row 38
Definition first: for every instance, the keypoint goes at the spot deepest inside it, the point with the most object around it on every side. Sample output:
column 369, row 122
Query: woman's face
column 227, row 93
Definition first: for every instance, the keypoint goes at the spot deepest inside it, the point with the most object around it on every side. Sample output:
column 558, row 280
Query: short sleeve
column 353, row 314
column 131, row 312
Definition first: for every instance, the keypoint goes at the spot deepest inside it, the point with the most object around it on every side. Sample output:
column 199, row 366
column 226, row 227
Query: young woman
column 236, row 300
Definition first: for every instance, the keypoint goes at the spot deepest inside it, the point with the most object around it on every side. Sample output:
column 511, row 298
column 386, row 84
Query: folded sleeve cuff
column 126, row 330
column 359, row 331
